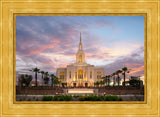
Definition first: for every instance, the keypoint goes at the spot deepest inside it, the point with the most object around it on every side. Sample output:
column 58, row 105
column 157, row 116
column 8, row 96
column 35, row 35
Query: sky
column 50, row 42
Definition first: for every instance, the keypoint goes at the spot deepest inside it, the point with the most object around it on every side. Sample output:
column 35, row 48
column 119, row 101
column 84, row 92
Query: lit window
column 90, row 74
column 85, row 79
column 80, row 58
column 98, row 75
column 80, row 74
column 62, row 76
column 84, row 74
column 70, row 74
column 75, row 76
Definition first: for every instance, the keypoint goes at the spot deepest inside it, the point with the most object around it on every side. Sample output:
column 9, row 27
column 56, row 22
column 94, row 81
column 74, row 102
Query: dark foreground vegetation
column 80, row 98
column 46, row 98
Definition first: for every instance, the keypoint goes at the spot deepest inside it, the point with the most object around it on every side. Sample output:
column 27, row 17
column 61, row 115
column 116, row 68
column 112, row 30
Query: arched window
column 98, row 75
column 80, row 74
column 90, row 74
column 70, row 74
column 75, row 76
column 80, row 58
column 85, row 78
column 62, row 76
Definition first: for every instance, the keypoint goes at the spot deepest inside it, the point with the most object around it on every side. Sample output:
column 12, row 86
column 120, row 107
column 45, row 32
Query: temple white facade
column 80, row 74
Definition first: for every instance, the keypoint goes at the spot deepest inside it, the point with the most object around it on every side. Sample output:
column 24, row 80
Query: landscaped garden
column 75, row 98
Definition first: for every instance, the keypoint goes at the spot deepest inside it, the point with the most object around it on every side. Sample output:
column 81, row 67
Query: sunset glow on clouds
column 49, row 42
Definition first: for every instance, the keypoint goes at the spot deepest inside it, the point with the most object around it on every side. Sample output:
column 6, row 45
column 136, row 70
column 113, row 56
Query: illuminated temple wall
column 80, row 73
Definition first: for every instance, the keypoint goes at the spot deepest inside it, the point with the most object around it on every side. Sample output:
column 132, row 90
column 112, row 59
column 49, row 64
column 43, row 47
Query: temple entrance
column 86, row 84
column 80, row 84
column 74, row 84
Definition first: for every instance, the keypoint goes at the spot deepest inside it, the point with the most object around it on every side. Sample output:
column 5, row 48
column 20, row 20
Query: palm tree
column 108, row 79
column 36, row 70
column 101, row 83
column 124, row 71
column 95, row 84
column 56, row 81
column 114, row 74
column 42, row 72
column 46, row 78
column 53, row 77
column 118, row 78
column 103, row 79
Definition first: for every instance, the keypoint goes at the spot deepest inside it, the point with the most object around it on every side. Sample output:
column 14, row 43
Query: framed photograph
column 80, row 58
column 52, row 64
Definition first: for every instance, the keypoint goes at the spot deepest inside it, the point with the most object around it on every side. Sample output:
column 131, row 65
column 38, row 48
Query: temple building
column 80, row 74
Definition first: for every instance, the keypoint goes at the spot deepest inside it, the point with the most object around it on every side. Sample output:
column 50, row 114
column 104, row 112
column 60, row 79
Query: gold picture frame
column 75, row 14
column 9, row 9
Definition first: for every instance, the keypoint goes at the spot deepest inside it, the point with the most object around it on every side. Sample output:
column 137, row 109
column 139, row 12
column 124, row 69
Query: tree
column 101, row 83
column 42, row 72
column 54, row 80
column 97, row 83
column 104, row 80
column 24, row 79
column 46, row 78
column 108, row 80
column 124, row 71
column 28, row 80
column 53, row 77
column 36, row 70
column 21, row 80
column 64, row 85
column 114, row 78
column 134, row 83
column 118, row 78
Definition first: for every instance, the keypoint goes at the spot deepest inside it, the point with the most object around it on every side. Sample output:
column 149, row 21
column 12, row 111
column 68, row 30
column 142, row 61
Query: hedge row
column 81, row 98
column 57, row 98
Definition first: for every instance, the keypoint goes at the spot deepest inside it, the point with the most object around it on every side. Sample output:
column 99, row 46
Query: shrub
column 82, row 98
column 115, row 98
column 99, row 98
column 90, row 98
column 120, row 99
column 61, row 98
column 55, row 98
column 67, row 98
column 108, row 98
column 47, row 98
column 75, row 96
column 111, row 98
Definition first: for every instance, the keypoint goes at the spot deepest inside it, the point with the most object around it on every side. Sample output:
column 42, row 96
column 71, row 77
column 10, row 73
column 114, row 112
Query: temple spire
column 80, row 35
column 80, row 43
